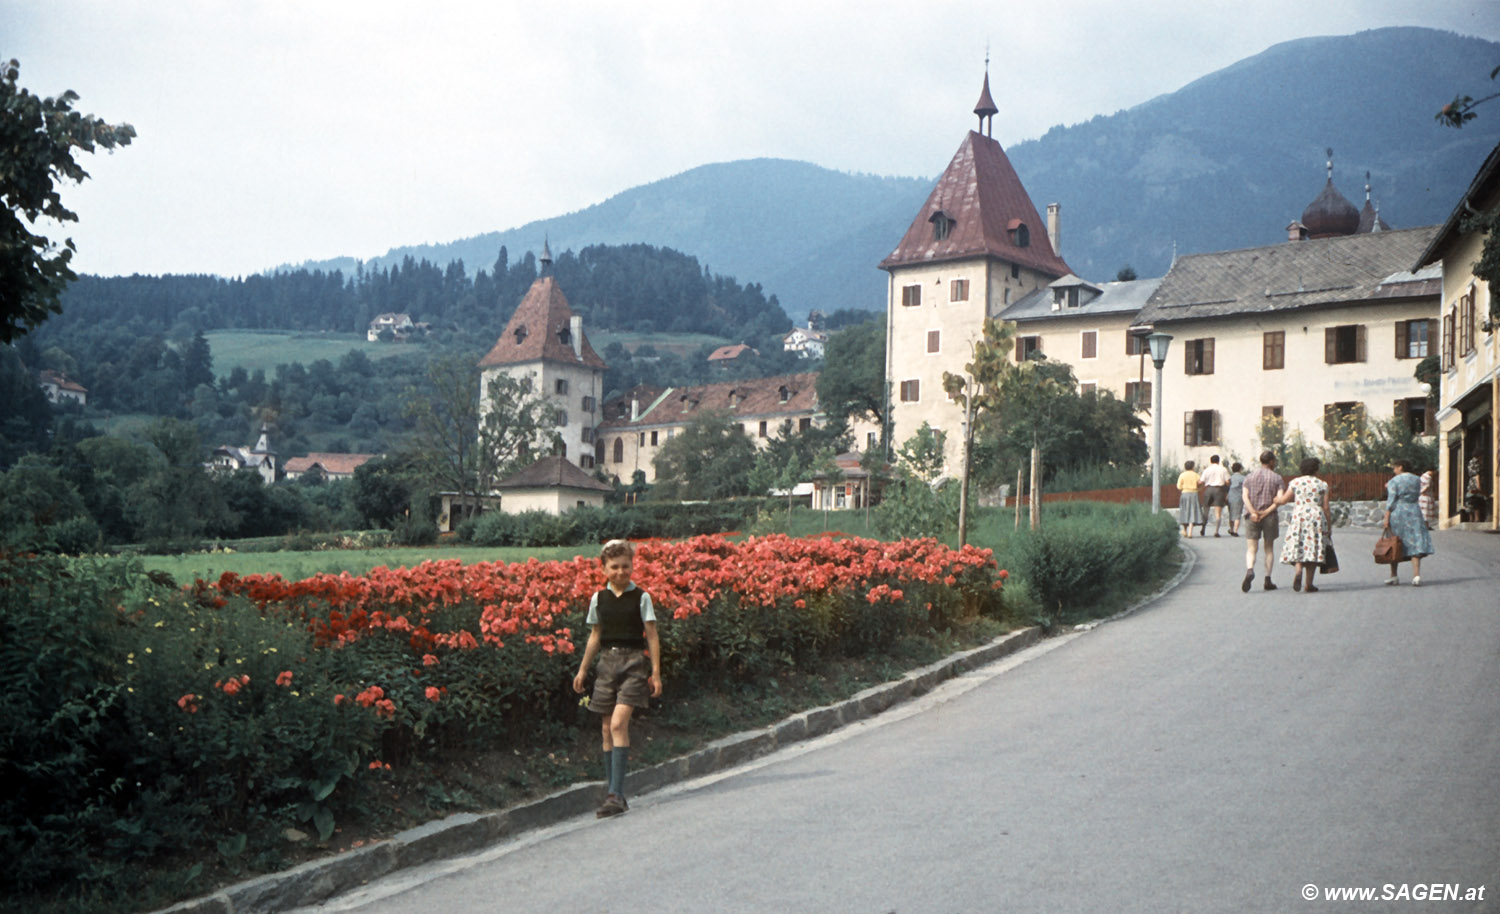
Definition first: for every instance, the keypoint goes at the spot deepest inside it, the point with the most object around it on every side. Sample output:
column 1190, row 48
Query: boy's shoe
column 1245, row 584
column 1269, row 585
column 614, row 805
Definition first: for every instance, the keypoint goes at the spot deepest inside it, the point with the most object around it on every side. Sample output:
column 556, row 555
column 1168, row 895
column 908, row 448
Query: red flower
column 188, row 703
column 284, row 678
column 434, row 693
column 429, row 660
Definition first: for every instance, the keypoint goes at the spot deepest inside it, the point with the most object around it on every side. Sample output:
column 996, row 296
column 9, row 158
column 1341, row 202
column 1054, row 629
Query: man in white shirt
column 1215, row 482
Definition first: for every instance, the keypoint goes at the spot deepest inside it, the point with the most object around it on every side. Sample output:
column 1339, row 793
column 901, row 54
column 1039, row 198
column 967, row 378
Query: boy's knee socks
column 617, row 770
column 609, row 779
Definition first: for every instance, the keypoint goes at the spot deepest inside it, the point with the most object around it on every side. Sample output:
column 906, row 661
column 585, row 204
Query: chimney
column 635, row 409
column 1054, row 210
column 575, row 330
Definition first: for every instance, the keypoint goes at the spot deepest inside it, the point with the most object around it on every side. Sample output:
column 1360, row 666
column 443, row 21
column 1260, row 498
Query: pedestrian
column 1404, row 518
column 1306, row 540
column 1427, row 500
column 1189, row 511
column 1236, row 496
column 1215, row 492
column 622, row 633
column 1261, row 523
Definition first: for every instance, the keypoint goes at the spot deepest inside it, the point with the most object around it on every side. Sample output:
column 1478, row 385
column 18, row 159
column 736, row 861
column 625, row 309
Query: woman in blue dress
column 1403, row 517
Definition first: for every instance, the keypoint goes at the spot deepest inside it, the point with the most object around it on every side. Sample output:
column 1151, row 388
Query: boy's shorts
column 621, row 676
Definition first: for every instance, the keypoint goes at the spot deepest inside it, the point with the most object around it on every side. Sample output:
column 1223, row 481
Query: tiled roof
column 552, row 473
column 62, row 381
column 983, row 197
column 540, row 331
column 733, row 351
column 1116, row 298
column 336, row 464
column 1292, row 275
column 755, row 398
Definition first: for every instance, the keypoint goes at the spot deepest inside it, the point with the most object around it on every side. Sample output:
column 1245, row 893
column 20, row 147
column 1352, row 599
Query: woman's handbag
column 1330, row 559
column 1388, row 549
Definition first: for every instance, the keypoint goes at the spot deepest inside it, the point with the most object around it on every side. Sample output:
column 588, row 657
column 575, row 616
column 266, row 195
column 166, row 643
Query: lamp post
column 1157, row 343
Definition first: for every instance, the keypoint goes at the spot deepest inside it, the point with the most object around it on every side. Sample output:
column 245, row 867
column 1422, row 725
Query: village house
column 806, row 342
column 1469, row 446
column 325, row 465
column 544, row 346
column 976, row 246
column 733, row 354
column 400, row 325
column 260, row 458
column 59, row 388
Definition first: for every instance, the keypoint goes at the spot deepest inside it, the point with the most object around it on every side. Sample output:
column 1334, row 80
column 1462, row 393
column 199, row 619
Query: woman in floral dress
column 1307, row 534
column 1404, row 518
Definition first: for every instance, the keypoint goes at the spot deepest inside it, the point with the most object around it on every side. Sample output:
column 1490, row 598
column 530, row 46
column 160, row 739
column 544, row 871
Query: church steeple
column 986, row 105
column 546, row 259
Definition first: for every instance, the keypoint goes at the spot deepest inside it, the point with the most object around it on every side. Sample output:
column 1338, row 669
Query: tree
column 1455, row 114
column 464, row 444
column 1461, row 110
column 710, row 458
column 37, row 139
column 852, row 382
column 918, row 502
column 1126, row 274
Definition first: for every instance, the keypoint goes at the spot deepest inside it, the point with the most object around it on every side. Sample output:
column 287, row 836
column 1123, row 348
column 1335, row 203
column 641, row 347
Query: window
column 941, row 226
column 1015, row 271
column 911, row 296
column 588, row 435
column 1450, row 324
column 619, row 455
column 783, row 393
column 763, row 428
column 1200, row 356
column 1414, row 414
column 560, row 386
column 588, row 404
column 1020, row 235
column 958, row 290
column 1135, row 344
column 1089, row 344
column 1345, row 344
column 1270, row 412
column 562, row 417
column 1138, row 394
column 640, row 440
column 1466, row 334
column 653, row 439
column 872, row 441
column 934, row 341
column 1088, row 388
column 911, row 391
column 1273, row 350
column 1200, row 427
column 1343, row 420
column 804, row 424
column 1027, row 346
column 1413, row 338
column 587, row 462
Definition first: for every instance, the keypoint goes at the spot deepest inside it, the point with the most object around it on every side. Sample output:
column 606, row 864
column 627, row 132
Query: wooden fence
column 1342, row 487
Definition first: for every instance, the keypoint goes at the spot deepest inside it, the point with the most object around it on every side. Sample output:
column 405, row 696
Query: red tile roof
column 732, row 351
column 755, row 398
column 333, row 464
column 982, row 194
column 539, row 331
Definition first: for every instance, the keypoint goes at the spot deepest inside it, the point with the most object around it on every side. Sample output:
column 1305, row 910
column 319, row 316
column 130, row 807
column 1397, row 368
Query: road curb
column 463, row 833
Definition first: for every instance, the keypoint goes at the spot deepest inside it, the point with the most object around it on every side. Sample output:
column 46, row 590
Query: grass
column 679, row 343
column 294, row 565
column 265, row 349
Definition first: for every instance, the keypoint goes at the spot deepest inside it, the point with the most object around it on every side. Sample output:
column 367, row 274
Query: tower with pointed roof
column 976, row 245
column 544, row 344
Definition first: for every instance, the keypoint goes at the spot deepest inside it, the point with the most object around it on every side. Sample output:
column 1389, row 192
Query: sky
column 281, row 131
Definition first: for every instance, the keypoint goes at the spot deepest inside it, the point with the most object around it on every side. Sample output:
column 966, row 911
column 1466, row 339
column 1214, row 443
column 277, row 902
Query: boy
column 623, row 625
column 1259, row 495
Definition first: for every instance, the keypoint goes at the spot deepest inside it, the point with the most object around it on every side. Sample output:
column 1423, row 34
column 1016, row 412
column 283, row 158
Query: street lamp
column 1157, row 343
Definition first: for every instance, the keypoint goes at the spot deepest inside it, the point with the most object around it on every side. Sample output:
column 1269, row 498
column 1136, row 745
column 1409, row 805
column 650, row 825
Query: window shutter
column 1020, row 350
column 1187, row 353
column 1330, row 346
column 1208, row 356
column 1401, row 410
column 1403, row 329
column 1217, row 439
column 1429, row 418
column 1359, row 343
column 1187, row 429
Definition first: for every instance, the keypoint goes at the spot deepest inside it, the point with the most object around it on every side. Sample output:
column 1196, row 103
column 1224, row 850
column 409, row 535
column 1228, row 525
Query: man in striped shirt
column 1260, row 491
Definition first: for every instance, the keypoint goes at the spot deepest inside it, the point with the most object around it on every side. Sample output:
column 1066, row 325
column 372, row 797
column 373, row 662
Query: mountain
column 1225, row 162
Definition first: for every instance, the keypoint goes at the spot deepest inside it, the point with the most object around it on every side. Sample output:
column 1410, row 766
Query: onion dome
column 1331, row 213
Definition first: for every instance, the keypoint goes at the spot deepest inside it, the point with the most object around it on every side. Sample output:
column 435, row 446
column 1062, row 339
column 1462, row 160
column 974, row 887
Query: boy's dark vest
column 620, row 622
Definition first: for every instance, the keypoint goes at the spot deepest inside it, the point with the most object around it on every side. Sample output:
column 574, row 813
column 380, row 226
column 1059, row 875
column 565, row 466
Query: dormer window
column 1020, row 235
column 941, row 226
column 520, row 333
column 565, row 336
column 785, row 394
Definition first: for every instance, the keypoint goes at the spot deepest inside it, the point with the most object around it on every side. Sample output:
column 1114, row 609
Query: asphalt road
column 1216, row 751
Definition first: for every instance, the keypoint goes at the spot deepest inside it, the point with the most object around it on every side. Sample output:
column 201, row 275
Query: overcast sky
column 278, row 132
